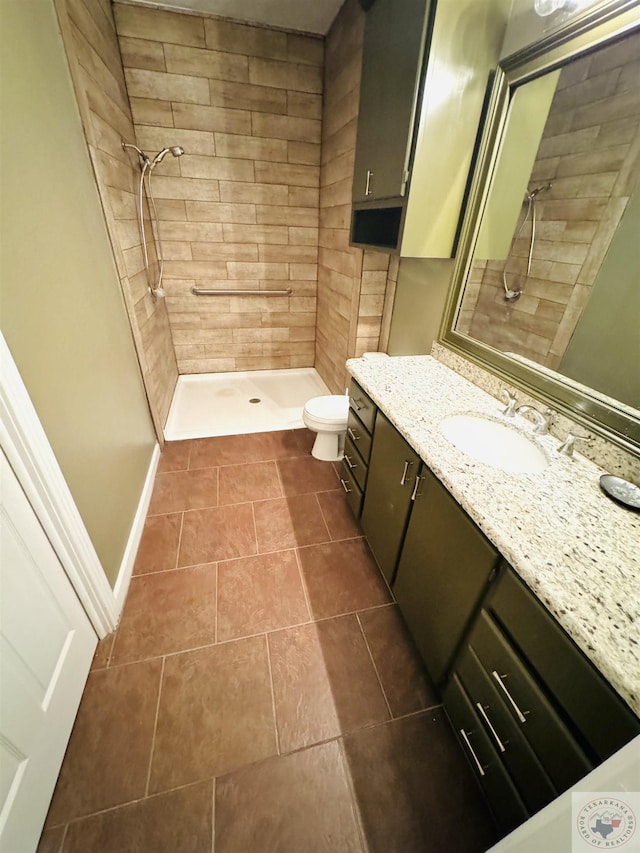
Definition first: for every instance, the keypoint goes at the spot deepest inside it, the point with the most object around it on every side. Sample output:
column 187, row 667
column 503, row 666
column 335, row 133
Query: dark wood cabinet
column 393, row 468
column 445, row 566
column 354, row 468
column 395, row 33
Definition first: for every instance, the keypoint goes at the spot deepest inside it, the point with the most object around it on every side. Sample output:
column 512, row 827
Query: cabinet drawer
column 352, row 489
column 508, row 808
column 359, row 435
column 354, row 463
column 537, row 719
column 362, row 405
column 514, row 751
column 567, row 675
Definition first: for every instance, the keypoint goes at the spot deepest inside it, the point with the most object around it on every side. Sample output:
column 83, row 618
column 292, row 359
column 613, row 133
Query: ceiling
column 309, row 16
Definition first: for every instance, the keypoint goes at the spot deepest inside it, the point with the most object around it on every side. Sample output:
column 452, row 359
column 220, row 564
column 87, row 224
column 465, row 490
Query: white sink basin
column 494, row 443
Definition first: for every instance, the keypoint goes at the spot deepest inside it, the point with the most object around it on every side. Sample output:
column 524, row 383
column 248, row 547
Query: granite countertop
column 578, row 551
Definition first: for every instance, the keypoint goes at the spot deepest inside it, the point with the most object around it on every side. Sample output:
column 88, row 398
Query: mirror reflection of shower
column 511, row 295
column 147, row 165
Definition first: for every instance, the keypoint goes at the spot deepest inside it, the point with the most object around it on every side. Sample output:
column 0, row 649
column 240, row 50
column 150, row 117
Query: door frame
column 27, row 448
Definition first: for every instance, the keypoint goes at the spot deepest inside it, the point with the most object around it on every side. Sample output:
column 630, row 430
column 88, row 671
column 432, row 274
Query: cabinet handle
column 415, row 494
column 521, row 717
column 472, row 751
column 407, row 465
column 358, row 405
column 345, row 486
column 367, row 189
column 490, row 725
column 353, row 435
column 351, row 464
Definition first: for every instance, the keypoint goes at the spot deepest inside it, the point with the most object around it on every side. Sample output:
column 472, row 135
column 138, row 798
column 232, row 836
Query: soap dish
column 621, row 490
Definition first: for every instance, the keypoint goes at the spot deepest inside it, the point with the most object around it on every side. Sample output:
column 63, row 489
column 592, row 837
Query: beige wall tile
column 141, row 53
column 217, row 168
column 203, row 232
column 150, row 111
column 306, row 50
column 286, row 127
column 306, row 153
column 283, row 173
column 171, row 209
column 244, row 96
column 285, row 75
column 225, row 252
column 204, row 211
column 293, row 254
column 250, row 147
column 195, row 269
column 167, row 87
column 206, row 63
column 299, row 236
column 211, row 118
column 193, row 141
column 186, row 188
column 244, row 39
column 288, row 215
column 257, row 271
column 304, row 105
column 253, row 193
column 304, row 197
column 305, row 272
column 234, row 233
column 158, row 25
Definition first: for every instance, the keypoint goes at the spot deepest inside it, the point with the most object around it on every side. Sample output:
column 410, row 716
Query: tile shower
column 261, row 199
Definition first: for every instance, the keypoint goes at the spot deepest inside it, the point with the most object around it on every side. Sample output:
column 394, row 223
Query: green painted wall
column 62, row 312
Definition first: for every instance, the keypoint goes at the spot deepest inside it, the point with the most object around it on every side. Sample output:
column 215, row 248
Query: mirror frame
column 591, row 30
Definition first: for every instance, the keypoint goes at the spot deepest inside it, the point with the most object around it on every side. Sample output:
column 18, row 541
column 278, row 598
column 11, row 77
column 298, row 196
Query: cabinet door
column 392, row 472
column 391, row 65
column 445, row 565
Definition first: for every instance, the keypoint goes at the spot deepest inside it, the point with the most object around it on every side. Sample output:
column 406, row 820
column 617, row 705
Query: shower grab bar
column 199, row 291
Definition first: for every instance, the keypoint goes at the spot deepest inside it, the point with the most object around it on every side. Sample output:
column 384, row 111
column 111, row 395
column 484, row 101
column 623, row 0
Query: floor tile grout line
column 357, row 815
column 155, row 729
column 375, row 668
column 305, row 591
column 179, row 542
column 322, row 515
column 273, row 695
column 215, row 615
column 64, row 837
column 213, row 815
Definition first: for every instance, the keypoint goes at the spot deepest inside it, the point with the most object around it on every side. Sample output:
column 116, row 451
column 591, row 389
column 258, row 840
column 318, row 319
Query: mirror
column 547, row 281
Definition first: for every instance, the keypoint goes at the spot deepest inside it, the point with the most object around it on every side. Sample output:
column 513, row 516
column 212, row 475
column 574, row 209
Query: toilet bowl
column 328, row 417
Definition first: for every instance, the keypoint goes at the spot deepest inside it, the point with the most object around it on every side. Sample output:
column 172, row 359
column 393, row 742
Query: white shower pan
column 209, row 404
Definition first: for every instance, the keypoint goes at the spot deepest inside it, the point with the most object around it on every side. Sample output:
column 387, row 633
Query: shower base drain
column 255, row 400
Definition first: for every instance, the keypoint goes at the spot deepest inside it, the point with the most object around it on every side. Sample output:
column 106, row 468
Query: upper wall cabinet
column 395, row 34
column 424, row 76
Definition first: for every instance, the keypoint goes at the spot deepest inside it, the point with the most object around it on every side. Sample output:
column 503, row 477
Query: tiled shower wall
column 88, row 32
column 590, row 152
column 351, row 283
column 239, row 210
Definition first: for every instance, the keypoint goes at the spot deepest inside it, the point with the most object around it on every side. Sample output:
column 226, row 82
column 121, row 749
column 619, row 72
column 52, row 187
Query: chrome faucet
column 540, row 419
column 568, row 445
column 512, row 401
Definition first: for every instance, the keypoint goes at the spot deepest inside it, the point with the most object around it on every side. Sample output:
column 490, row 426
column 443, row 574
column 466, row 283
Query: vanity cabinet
column 354, row 468
column 393, row 470
column 527, row 704
column 445, row 566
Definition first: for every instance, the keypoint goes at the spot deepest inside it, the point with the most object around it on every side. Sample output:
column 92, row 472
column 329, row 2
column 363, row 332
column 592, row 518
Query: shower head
column 541, row 189
column 176, row 150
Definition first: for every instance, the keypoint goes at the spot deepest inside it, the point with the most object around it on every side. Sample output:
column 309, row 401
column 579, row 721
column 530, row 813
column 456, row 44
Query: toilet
column 328, row 417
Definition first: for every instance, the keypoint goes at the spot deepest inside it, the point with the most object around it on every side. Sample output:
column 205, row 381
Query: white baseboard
column 126, row 566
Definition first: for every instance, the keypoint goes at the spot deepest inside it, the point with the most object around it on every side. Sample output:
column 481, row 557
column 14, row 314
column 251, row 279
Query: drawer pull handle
column 367, row 188
column 472, row 751
column 407, row 465
column 353, row 435
column 358, row 405
column 415, row 494
column 351, row 464
column 345, row 486
column 490, row 726
column 521, row 717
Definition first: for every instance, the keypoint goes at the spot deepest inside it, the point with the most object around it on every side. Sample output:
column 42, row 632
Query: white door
column 46, row 647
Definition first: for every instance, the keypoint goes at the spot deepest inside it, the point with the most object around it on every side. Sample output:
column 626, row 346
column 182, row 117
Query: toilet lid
column 333, row 407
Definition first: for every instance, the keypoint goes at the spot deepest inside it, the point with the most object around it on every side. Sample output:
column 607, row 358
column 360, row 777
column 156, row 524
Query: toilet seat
column 329, row 409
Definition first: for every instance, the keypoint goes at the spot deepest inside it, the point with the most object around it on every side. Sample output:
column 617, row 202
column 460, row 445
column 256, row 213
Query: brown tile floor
column 260, row 693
